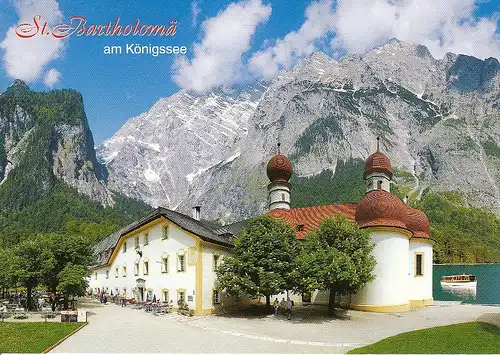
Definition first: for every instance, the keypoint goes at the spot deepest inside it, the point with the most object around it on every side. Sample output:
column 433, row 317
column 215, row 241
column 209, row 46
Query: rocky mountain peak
column 19, row 84
column 47, row 132
column 325, row 113
column 17, row 87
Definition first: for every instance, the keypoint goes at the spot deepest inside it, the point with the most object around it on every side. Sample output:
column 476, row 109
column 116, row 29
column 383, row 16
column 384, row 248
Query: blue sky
column 229, row 42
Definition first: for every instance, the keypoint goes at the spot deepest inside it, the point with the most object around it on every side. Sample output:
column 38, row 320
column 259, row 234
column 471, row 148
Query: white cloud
column 357, row 26
column 217, row 60
column 195, row 10
column 52, row 77
column 26, row 58
column 443, row 26
column 297, row 44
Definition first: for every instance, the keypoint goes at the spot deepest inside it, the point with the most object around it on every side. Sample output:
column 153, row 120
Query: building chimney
column 196, row 212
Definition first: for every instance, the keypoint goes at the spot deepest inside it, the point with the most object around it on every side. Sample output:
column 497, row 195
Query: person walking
column 276, row 307
column 289, row 306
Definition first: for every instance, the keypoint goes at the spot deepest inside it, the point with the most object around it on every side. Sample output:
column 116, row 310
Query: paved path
column 114, row 329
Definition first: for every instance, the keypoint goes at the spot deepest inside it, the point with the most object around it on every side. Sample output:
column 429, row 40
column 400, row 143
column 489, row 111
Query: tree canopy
column 262, row 261
column 337, row 257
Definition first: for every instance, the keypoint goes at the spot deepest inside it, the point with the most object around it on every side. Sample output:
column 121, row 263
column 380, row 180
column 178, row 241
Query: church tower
column 378, row 171
column 279, row 171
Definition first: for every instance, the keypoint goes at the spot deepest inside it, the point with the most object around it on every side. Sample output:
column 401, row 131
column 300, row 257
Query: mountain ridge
column 434, row 116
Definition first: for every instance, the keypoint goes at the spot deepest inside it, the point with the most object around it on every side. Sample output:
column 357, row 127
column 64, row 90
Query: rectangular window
column 419, row 266
column 136, row 269
column 165, row 233
column 164, row 264
column 96, row 275
column 124, row 248
column 216, row 297
column 181, row 263
column 107, row 274
column 146, row 267
column 181, row 297
column 124, row 271
column 146, row 238
column 116, row 271
column 216, row 262
column 164, row 296
column 136, row 242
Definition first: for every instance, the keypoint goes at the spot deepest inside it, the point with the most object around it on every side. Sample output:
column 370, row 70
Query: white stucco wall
column 279, row 195
column 209, row 276
column 178, row 241
column 390, row 286
column 371, row 182
column 420, row 286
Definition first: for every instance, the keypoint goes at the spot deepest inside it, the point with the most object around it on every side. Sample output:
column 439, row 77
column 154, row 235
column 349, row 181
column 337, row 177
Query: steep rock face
column 45, row 138
column 159, row 155
column 438, row 120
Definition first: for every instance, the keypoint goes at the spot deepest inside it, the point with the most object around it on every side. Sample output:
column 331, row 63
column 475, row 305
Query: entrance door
column 141, row 294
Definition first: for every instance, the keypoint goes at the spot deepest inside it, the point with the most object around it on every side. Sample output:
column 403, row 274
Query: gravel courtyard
column 113, row 329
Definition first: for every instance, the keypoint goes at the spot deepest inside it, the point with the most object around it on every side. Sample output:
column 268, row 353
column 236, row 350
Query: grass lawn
column 32, row 337
column 464, row 338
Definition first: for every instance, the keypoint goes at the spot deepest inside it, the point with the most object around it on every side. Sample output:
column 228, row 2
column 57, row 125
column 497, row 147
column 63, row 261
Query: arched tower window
column 379, row 185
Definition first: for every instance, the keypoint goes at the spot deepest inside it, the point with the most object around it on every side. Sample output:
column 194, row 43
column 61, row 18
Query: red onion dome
column 381, row 208
column 279, row 168
column 417, row 222
column 378, row 162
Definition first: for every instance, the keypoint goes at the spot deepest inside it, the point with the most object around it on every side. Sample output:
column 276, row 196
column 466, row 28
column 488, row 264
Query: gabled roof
column 306, row 219
column 202, row 229
column 205, row 230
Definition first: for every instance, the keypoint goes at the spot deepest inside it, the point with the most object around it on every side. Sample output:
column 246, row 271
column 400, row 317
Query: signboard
column 69, row 316
column 82, row 315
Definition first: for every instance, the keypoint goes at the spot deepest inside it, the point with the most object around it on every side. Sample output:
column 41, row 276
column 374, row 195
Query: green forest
column 33, row 201
column 63, row 210
column 462, row 234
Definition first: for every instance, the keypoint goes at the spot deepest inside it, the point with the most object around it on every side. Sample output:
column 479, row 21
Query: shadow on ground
column 315, row 314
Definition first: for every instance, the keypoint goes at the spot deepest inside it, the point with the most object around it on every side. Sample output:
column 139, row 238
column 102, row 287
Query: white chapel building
column 171, row 256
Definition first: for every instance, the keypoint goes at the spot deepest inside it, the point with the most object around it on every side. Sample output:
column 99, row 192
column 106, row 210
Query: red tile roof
column 279, row 168
column 417, row 222
column 378, row 162
column 381, row 208
column 311, row 217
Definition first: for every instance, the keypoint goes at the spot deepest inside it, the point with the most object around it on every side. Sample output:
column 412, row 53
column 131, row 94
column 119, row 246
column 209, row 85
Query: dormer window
column 300, row 228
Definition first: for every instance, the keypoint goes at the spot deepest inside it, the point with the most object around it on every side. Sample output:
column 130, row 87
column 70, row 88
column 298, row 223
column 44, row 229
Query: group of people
column 103, row 297
column 39, row 300
column 285, row 306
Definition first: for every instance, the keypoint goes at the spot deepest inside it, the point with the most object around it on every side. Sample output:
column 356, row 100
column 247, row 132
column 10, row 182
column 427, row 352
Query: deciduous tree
column 262, row 261
column 30, row 261
column 337, row 257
